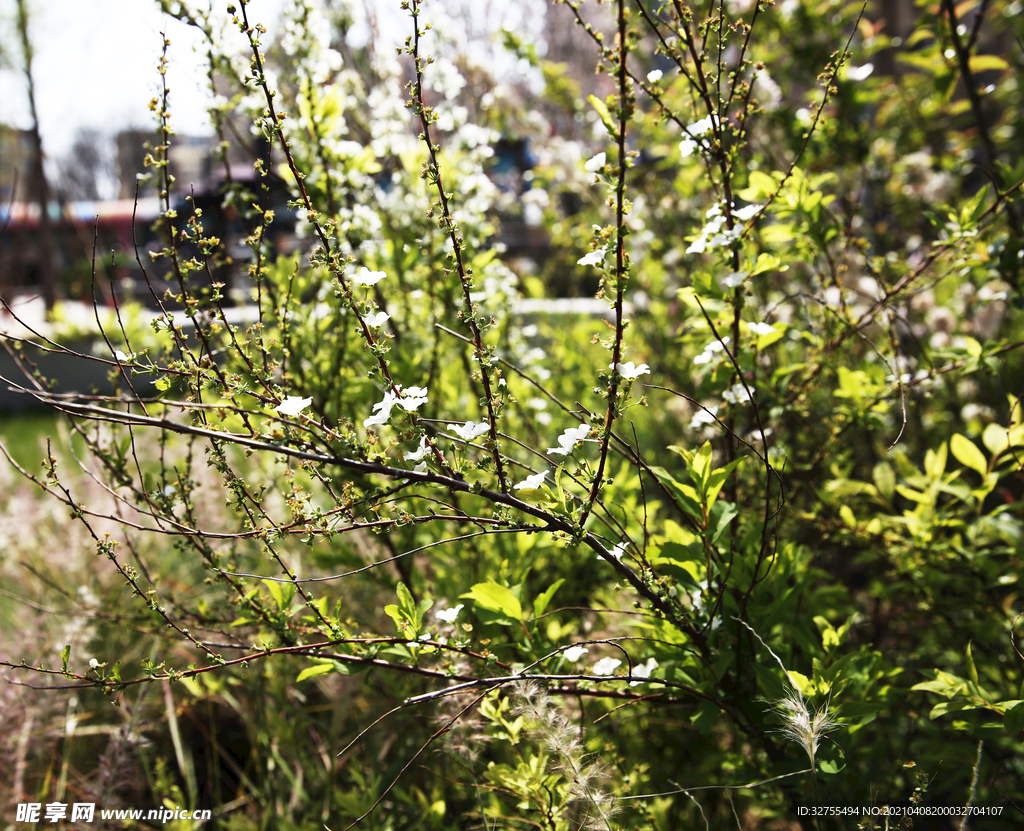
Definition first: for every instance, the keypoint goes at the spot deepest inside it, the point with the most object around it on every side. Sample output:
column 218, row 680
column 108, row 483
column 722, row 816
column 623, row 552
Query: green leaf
column 758, row 188
column 956, row 705
column 685, row 495
column 984, row 63
column 766, row 340
column 705, row 717
column 867, row 710
column 277, row 590
column 421, row 609
column 408, row 611
column 405, row 601
column 716, row 481
column 885, row 479
column 944, row 684
column 1013, row 721
column 541, row 603
column 393, row 612
column 602, row 111
column 706, row 285
column 701, row 467
column 972, row 671
column 829, row 636
column 966, row 452
column 853, row 384
column 798, row 680
column 767, row 262
column 916, row 496
column 721, row 515
column 996, row 438
column 65, row 654
column 315, row 670
column 496, row 598
column 779, row 233
column 682, row 452
column 935, row 462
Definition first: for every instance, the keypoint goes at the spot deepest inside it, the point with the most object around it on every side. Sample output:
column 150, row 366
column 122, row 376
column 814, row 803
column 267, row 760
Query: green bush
column 742, row 548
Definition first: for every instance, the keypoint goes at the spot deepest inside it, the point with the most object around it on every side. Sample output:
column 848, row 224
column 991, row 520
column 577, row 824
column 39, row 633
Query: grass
column 24, row 436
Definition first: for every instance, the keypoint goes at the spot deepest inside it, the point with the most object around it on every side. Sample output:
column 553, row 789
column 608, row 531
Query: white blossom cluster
column 569, row 439
column 307, row 37
column 715, row 234
column 409, row 399
column 711, row 350
column 695, row 132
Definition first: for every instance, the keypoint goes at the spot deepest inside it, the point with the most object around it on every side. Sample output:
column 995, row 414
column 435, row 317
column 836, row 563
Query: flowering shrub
column 768, row 563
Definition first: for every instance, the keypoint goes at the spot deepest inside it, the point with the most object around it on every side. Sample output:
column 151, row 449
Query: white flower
column 767, row 91
column 412, row 398
column 654, row 75
column 619, row 551
column 696, row 598
column 714, row 233
column 630, row 371
column 365, row 277
column 703, row 126
column 606, row 666
column 593, row 258
column 293, row 405
column 710, row 350
column 569, row 438
column 375, row 321
column 94, row 664
column 469, row 431
column 449, row 615
column 123, row 358
column 736, row 394
column 686, row 147
column 705, row 416
column 699, row 128
column 531, row 482
column 383, row 410
column 643, row 671
column 574, row 653
column 859, row 73
column 734, row 279
column 749, row 212
column 596, row 163
column 418, row 454
column 761, row 328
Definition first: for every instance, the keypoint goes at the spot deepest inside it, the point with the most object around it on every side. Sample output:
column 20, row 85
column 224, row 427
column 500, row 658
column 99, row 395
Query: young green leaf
column 966, row 452
column 496, row 598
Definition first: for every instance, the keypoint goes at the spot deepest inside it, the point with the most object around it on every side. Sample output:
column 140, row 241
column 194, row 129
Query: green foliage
column 744, row 540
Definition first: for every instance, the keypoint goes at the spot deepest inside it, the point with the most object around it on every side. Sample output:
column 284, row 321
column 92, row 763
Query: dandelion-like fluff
column 799, row 723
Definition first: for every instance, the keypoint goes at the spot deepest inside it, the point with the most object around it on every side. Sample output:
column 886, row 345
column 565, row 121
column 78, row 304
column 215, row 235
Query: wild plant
column 760, row 441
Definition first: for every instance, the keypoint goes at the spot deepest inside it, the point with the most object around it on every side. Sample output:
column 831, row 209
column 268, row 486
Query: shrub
column 597, row 571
